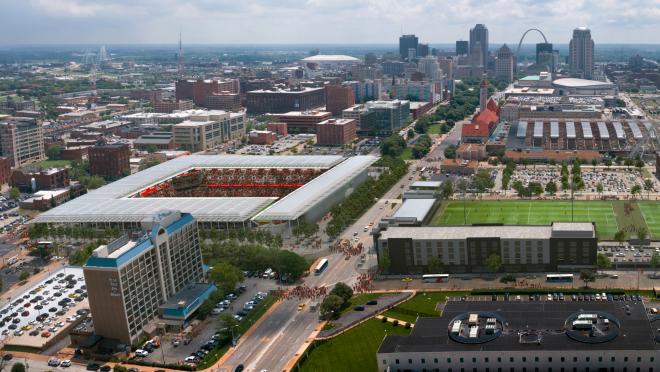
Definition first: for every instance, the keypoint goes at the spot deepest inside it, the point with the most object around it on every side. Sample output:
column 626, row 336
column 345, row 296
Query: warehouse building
column 562, row 246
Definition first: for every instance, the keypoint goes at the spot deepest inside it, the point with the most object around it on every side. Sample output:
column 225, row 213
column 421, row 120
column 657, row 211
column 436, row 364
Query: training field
column 651, row 212
column 530, row 212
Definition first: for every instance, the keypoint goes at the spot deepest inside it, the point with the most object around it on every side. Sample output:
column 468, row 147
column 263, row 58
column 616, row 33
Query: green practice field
column 541, row 212
column 651, row 212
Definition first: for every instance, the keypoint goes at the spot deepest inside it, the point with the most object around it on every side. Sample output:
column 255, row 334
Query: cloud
column 321, row 21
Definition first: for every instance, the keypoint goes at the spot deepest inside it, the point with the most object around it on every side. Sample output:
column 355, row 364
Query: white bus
column 557, row 278
column 323, row 264
column 435, row 278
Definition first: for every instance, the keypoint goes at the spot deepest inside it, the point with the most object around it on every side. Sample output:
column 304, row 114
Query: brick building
column 338, row 98
column 49, row 179
column 22, row 141
column 224, row 101
column 336, row 132
column 5, row 170
column 109, row 161
column 162, row 141
column 303, row 121
column 198, row 90
column 261, row 137
column 278, row 128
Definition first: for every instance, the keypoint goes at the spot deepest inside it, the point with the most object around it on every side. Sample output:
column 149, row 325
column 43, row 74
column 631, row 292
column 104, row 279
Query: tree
column 594, row 162
column 450, row 152
column 92, row 182
column 342, row 290
column 603, row 262
column 119, row 368
column 434, row 265
column 24, row 275
column 494, row 263
column 14, row 193
column 608, row 163
column 410, row 133
column 483, row 181
column 620, row 236
column 535, row 188
column 551, row 187
column 54, row 152
column 392, row 146
column 599, row 188
column 648, row 186
column 291, row 264
column 642, row 233
column 587, row 276
column 152, row 148
column 447, row 189
column 636, row 189
column 226, row 276
column 18, row 367
column 331, row 306
column 384, row 261
column 226, row 322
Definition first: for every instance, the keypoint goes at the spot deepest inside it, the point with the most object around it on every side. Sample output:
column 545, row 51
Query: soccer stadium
column 220, row 191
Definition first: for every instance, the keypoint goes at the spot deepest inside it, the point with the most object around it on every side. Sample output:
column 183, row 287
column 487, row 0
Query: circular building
column 566, row 86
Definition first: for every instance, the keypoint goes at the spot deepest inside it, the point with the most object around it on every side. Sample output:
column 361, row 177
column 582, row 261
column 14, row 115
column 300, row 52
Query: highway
column 279, row 336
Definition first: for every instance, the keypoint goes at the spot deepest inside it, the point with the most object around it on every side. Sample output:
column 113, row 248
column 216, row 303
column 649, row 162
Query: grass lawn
column 354, row 350
column 406, row 154
column 48, row 164
column 361, row 299
column 651, row 212
column 423, row 303
column 530, row 212
column 434, row 129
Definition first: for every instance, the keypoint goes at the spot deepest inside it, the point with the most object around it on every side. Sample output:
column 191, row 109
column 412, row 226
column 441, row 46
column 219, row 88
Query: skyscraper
column 462, row 47
column 430, row 67
column 542, row 48
column 581, row 49
column 407, row 42
column 504, row 64
column 479, row 34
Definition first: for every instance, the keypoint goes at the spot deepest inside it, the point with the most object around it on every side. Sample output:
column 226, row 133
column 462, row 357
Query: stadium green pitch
column 540, row 212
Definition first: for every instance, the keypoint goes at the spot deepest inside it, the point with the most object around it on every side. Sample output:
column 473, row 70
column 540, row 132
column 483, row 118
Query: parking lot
column 172, row 351
column 627, row 254
column 36, row 316
column 554, row 296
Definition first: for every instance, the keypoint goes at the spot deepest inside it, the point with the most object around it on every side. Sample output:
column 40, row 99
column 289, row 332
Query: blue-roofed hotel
column 132, row 284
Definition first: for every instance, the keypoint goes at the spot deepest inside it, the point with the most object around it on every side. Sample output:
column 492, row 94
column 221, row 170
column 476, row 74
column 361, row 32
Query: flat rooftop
column 415, row 208
column 431, row 334
column 478, row 231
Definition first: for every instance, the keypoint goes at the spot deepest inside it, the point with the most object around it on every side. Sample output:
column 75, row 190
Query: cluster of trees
column 255, row 257
column 344, row 213
column 483, row 181
column 54, row 152
column 509, row 168
column 80, row 256
column 305, row 229
column 393, row 146
column 258, row 236
column 576, row 173
column 422, row 147
column 80, row 172
column 532, row 189
column 337, row 300
column 422, row 125
column 450, row 152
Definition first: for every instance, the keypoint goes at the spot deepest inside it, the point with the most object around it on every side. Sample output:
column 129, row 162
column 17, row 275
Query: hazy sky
column 321, row 21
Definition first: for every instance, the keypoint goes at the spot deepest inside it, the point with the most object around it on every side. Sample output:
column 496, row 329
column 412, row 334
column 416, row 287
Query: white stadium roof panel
column 522, row 129
column 618, row 128
column 602, row 130
column 112, row 203
column 570, row 130
column 538, row 129
column 586, row 130
column 637, row 133
column 649, row 128
column 554, row 129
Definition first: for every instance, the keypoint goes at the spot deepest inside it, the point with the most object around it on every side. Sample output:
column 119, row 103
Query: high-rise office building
column 422, row 50
column 407, row 42
column 542, row 48
column 132, row 282
column 504, row 64
column 462, row 47
column 479, row 34
column 581, row 53
column 430, row 67
column 22, row 140
column 338, row 98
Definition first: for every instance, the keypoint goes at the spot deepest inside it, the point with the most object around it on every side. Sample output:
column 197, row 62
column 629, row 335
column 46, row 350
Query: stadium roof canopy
column 113, row 202
column 330, row 58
